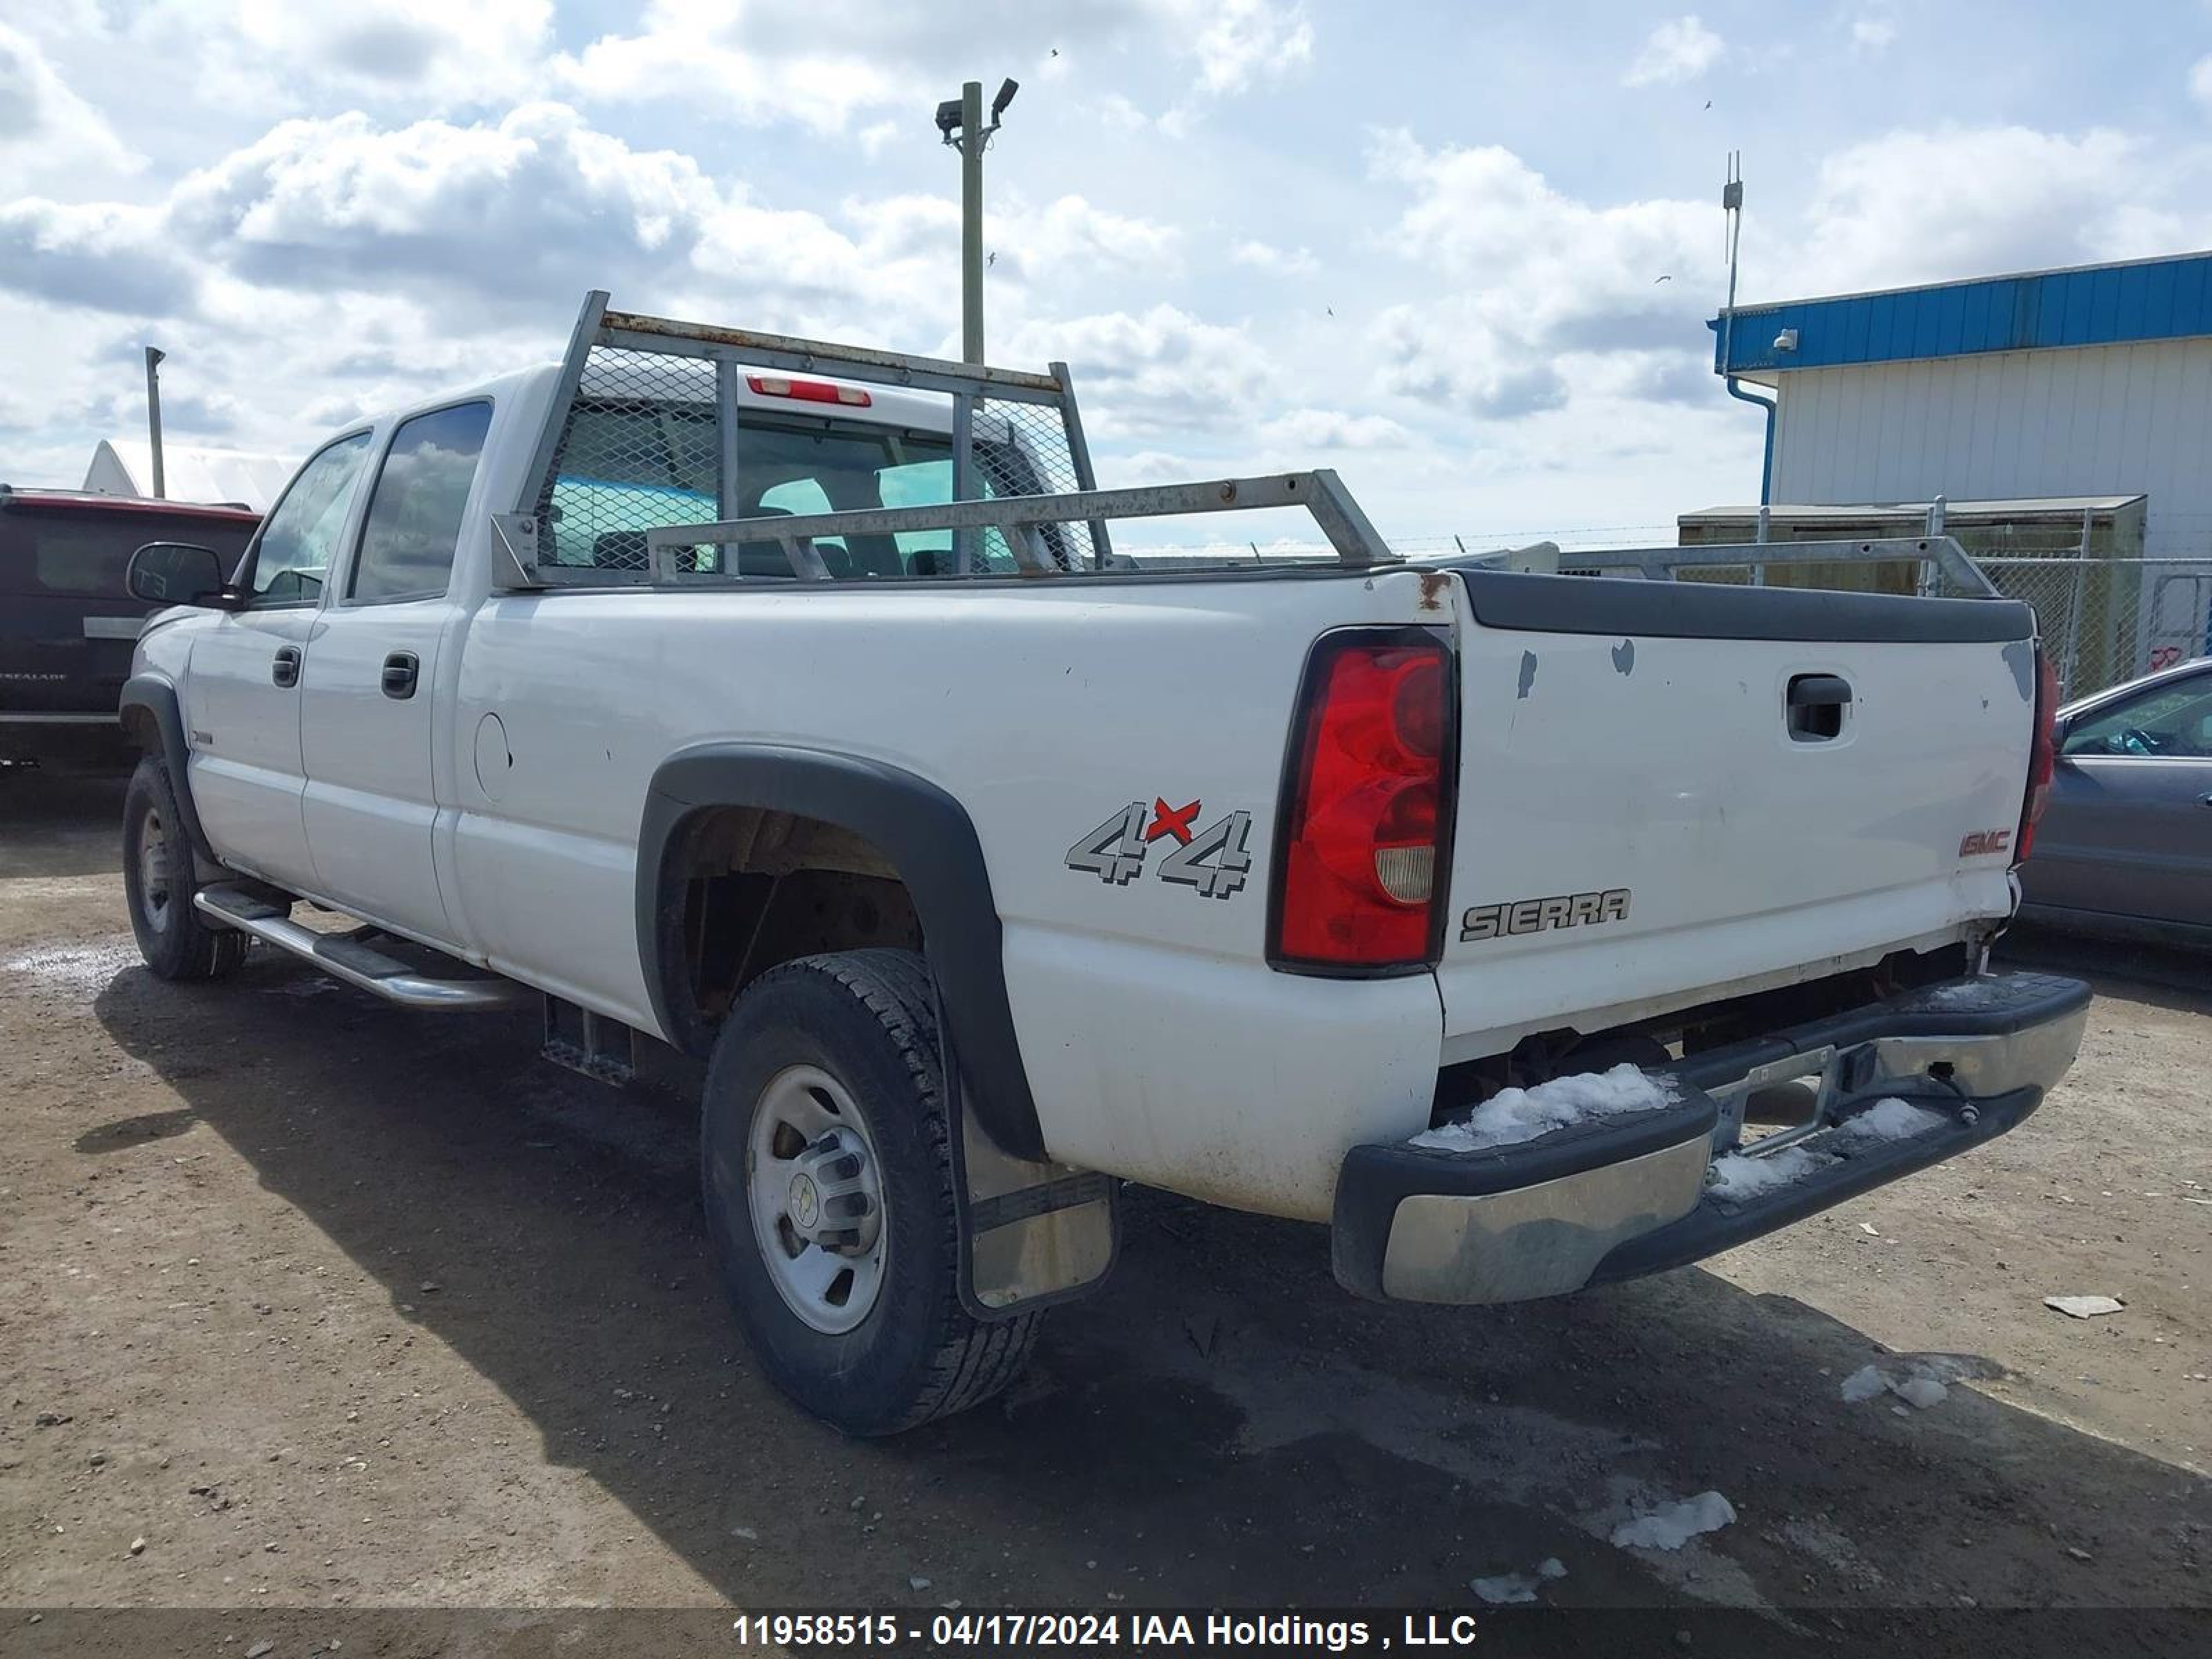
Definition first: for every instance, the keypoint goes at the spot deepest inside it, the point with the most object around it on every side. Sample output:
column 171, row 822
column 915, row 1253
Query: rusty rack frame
column 732, row 351
column 1021, row 519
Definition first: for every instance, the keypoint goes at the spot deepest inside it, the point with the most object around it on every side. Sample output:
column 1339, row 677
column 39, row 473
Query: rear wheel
column 828, row 1184
column 159, row 881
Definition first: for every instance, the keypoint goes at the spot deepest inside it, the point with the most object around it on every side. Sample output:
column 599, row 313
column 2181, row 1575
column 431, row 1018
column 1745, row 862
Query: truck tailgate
column 1671, row 788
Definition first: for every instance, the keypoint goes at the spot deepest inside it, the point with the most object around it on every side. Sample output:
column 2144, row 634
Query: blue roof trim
column 2097, row 304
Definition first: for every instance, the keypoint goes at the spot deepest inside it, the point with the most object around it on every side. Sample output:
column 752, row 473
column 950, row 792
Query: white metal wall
column 2089, row 421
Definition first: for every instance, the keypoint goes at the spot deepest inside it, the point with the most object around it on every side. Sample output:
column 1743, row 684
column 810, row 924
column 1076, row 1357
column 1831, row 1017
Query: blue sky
column 1421, row 243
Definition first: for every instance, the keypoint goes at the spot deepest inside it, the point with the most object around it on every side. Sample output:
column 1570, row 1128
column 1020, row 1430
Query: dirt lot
column 307, row 1306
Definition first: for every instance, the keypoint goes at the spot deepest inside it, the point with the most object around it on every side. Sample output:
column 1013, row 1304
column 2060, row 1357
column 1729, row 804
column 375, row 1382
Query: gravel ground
column 309, row 1307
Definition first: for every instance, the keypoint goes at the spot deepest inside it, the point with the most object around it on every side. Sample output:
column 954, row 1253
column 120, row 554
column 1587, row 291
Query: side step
column 601, row 1048
column 358, row 964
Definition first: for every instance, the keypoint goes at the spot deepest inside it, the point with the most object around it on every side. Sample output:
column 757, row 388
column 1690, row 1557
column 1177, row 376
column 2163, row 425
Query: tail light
column 1363, row 844
column 2042, row 758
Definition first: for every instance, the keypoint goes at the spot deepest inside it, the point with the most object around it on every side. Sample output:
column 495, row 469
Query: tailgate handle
column 1813, row 707
column 1818, row 691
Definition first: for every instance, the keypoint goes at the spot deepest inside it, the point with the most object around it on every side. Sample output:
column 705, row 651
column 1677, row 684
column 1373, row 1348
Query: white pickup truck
column 787, row 706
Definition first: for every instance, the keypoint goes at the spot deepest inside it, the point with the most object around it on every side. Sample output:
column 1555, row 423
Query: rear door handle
column 284, row 668
column 401, row 670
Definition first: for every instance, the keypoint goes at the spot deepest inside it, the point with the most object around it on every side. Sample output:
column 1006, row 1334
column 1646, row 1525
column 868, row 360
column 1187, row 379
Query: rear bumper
column 1614, row 1199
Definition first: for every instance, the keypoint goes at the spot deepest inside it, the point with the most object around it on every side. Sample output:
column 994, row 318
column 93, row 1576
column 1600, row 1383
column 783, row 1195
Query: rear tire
column 159, row 880
column 827, row 1169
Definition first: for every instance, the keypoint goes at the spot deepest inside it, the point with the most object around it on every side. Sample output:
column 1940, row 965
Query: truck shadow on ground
column 56, row 822
column 1221, row 1427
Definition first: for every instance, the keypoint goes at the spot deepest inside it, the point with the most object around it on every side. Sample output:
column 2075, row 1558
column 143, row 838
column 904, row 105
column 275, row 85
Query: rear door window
column 414, row 512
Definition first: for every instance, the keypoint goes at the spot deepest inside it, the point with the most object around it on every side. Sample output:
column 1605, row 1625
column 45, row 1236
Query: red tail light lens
column 1361, row 848
column 2042, row 758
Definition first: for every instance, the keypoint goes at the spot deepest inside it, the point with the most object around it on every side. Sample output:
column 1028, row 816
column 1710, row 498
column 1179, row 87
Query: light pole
column 960, row 121
column 154, row 356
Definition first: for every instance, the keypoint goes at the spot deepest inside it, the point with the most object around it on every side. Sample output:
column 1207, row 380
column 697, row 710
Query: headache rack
column 659, row 402
column 656, row 406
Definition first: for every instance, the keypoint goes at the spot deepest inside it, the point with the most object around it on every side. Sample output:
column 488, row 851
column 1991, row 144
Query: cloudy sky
column 1462, row 252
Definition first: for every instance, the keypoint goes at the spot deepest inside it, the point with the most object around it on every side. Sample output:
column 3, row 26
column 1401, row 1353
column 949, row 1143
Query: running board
column 358, row 964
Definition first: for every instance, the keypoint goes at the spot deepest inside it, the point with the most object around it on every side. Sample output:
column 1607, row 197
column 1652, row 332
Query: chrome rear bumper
column 1623, row 1196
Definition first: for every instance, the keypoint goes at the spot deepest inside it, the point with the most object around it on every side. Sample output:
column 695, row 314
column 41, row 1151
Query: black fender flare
column 930, row 841
column 148, row 699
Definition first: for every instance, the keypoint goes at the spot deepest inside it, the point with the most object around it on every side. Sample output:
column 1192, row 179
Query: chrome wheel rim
column 156, row 899
column 816, row 1199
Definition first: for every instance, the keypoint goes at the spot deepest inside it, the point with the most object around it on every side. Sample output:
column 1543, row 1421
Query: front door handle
column 401, row 670
column 284, row 669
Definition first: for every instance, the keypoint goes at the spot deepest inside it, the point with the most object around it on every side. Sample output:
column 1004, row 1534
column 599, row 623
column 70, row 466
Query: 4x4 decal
column 1212, row 860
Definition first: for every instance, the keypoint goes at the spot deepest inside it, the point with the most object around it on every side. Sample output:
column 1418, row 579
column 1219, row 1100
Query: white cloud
column 45, row 129
column 1334, row 428
column 1872, row 34
column 822, row 63
column 1239, row 41
column 1529, row 284
column 1680, row 51
column 1155, row 370
column 1914, row 207
column 422, row 56
column 1280, row 261
column 2200, row 81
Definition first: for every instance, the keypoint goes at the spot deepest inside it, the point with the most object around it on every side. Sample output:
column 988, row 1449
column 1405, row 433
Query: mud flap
column 1031, row 1232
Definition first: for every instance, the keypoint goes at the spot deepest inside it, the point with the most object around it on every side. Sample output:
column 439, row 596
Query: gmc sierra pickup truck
column 789, row 707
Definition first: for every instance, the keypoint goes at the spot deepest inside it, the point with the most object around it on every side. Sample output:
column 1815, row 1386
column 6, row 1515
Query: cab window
column 293, row 556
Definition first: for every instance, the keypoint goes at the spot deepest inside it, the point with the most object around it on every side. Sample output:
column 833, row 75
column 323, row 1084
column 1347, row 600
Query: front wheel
column 158, row 882
column 828, row 1184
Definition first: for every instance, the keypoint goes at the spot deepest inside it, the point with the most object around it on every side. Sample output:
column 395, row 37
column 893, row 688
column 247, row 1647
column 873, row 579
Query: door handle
column 401, row 670
column 284, row 668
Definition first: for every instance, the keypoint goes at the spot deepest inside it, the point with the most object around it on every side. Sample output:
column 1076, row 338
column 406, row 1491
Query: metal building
column 2064, row 388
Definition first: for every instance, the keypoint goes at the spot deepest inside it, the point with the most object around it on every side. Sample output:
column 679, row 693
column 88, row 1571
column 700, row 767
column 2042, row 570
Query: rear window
column 80, row 552
column 626, row 468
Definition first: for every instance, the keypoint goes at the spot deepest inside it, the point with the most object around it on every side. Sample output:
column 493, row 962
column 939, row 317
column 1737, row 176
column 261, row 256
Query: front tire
column 159, row 880
column 827, row 1169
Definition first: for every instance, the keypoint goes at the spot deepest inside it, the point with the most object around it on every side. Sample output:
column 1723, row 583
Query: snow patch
column 1738, row 1176
column 1674, row 1524
column 1920, row 1383
column 1889, row 1120
column 1512, row 1116
column 1920, row 1392
column 1863, row 1383
column 1508, row 1589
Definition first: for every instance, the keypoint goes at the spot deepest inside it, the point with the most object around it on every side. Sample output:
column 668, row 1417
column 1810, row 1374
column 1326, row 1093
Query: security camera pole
column 961, row 122
column 154, row 356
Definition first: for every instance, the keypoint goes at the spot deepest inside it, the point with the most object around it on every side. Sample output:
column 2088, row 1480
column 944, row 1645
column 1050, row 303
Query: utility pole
column 154, row 356
column 960, row 120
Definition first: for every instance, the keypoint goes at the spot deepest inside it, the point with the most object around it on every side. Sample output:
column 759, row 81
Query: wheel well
column 754, row 888
column 141, row 727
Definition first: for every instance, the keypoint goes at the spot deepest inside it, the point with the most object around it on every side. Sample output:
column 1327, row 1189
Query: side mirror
column 178, row 573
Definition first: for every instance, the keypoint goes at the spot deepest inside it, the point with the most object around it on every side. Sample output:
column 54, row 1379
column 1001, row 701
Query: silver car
column 2125, row 848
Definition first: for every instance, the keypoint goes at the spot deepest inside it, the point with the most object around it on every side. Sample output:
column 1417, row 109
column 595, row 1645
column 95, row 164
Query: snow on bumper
column 1605, row 1178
